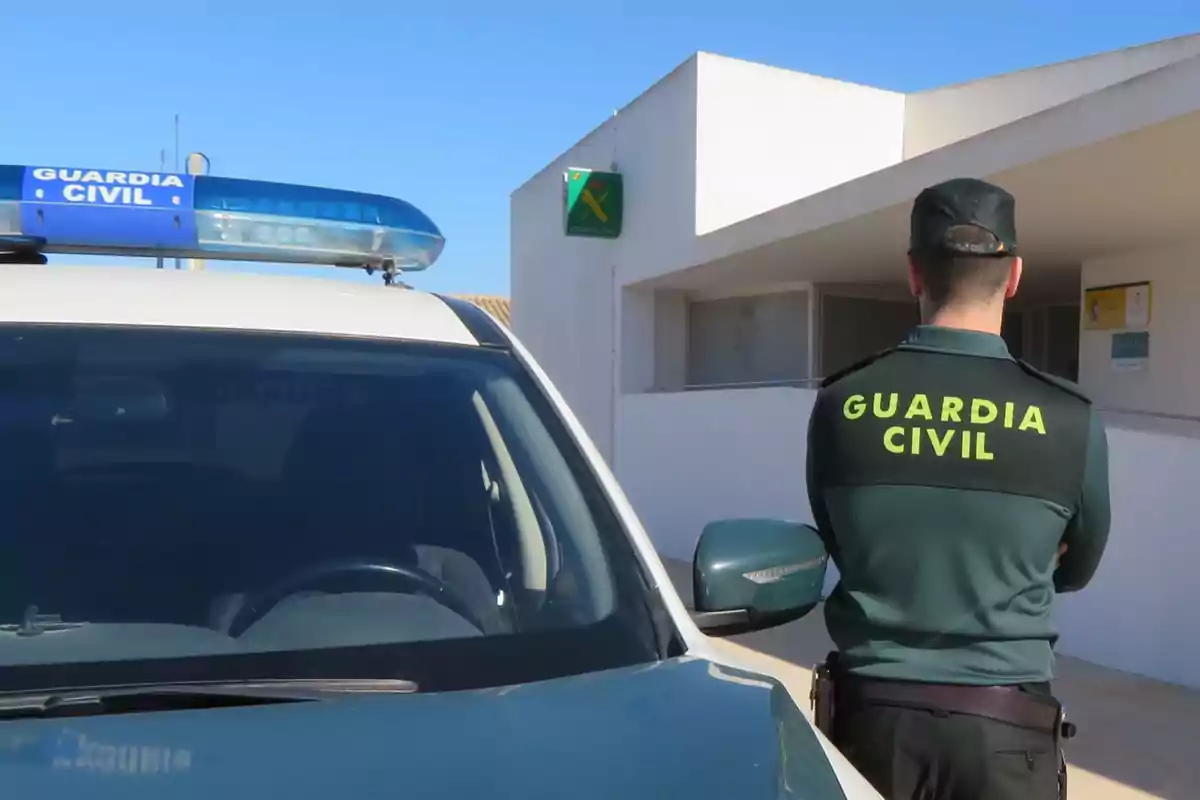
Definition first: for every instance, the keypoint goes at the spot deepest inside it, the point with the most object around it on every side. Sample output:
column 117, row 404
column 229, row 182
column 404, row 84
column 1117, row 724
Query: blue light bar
column 112, row 212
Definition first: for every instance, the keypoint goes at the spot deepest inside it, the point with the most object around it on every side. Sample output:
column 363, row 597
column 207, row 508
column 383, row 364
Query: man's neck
column 983, row 320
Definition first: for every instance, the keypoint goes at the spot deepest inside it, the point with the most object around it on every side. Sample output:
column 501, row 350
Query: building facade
column 765, row 226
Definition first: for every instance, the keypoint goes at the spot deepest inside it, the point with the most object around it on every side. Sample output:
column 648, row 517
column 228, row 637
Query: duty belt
column 1008, row 704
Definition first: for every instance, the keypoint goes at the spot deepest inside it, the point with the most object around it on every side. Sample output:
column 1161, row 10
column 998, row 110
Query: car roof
column 224, row 300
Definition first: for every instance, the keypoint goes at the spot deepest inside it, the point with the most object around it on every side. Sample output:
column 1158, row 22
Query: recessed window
column 747, row 340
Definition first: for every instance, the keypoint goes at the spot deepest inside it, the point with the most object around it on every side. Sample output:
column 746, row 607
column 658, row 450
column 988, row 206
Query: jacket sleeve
column 816, row 495
column 1087, row 532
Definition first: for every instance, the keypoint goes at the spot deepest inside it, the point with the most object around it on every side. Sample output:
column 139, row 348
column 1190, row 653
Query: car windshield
column 181, row 505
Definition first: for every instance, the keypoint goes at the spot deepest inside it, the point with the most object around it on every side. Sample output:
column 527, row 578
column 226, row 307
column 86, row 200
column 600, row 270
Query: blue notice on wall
column 107, row 208
column 1130, row 351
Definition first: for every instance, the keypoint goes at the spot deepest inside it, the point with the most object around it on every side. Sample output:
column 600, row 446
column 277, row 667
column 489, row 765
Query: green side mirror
column 750, row 574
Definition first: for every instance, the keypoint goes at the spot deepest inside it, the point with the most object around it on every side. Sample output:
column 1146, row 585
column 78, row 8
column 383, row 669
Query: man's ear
column 914, row 279
column 1014, row 278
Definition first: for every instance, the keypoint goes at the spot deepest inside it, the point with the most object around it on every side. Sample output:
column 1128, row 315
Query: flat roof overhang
column 1113, row 171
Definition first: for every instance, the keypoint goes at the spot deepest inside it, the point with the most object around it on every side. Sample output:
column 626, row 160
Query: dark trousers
column 911, row 754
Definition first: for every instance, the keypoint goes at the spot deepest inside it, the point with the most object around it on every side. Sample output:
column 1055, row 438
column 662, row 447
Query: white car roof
column 224, row 300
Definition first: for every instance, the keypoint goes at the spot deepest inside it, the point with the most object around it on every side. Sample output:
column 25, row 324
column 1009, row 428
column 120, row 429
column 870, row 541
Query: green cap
column 955, row 218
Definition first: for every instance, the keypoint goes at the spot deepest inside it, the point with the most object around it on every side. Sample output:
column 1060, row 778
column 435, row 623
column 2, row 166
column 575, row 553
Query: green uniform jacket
column 943, row 475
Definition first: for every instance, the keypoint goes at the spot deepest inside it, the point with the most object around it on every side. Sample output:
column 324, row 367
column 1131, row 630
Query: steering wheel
column 414, row 579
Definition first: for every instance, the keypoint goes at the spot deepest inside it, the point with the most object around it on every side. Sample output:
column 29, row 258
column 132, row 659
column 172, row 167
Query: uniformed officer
column 957, row 490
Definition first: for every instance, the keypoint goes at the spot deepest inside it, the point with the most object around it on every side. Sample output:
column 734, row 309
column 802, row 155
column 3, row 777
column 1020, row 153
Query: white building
column 765, row 226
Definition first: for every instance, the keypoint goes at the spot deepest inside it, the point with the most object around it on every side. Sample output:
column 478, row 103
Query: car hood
column 683, row 728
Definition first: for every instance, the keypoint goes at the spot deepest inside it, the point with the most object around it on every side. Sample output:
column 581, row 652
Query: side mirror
column 751, row 574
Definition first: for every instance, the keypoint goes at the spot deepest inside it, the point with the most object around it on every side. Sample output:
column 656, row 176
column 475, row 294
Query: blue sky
column 453, row 108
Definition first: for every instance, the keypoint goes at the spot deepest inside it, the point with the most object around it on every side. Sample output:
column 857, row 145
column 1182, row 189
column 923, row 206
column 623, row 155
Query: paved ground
column 1137, row 738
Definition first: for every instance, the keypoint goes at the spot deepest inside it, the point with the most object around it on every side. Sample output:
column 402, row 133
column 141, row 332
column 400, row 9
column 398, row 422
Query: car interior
column 280, row 509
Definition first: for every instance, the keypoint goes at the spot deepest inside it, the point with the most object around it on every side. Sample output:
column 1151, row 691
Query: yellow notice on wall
column 1124, row 306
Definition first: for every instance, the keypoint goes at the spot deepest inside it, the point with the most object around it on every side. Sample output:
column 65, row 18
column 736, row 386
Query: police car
column 298, row 537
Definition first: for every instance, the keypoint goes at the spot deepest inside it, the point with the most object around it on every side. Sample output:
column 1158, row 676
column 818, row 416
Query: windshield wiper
column 189, row 696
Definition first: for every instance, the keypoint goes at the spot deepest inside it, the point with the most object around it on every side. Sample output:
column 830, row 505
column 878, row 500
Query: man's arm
column 816, row 496
column 1087, row 532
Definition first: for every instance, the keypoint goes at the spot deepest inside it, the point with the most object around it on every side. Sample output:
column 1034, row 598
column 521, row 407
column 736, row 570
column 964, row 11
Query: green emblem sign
column 593, row 203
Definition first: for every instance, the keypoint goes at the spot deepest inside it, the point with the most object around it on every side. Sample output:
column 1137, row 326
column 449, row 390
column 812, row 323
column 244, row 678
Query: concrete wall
column 708, row 455
column 768, row 136
column 669, row 370
column 1138, row 614
column 1171, row 382
column 716, row 141
column 705, row 455
column 949, row 114
column 564, row 289
column 757, row 137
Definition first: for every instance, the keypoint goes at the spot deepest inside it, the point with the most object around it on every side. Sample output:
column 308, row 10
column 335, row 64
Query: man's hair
column 953, row 276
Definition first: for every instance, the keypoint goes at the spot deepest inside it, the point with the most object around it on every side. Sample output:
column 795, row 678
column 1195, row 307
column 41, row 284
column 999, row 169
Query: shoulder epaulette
column 1061, row 383
column 855, row 367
